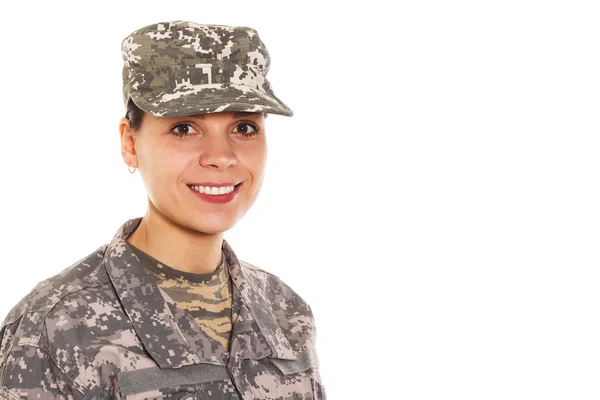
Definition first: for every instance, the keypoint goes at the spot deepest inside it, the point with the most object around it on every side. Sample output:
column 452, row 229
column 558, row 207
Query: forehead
column 227, row 115
column 232, row 114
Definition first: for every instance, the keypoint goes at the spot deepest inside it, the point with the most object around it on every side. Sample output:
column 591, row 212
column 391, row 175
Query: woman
column 166, row 309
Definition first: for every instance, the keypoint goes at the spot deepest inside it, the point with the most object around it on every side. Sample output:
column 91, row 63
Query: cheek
column 256, row 161
column 162, row 161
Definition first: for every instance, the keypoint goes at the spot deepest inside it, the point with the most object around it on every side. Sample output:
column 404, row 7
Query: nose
column 217, row 151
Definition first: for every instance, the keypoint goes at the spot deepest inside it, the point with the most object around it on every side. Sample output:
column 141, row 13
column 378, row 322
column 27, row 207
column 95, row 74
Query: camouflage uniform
column 103, row 329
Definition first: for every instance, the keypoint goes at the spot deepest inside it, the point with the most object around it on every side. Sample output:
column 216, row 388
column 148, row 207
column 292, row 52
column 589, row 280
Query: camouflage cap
column 184, row 68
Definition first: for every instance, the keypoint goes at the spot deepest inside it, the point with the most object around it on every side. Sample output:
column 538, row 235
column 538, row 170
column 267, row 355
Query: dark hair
column 134, row 114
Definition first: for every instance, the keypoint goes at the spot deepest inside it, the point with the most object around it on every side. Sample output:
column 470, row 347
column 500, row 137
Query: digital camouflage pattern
column 103, row 329
column 183, row 68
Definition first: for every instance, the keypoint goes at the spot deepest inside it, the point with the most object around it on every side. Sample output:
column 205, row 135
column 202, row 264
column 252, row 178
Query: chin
column 211, row 228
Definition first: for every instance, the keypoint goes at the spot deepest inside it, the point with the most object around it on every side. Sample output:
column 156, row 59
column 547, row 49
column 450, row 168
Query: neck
column 177, row 246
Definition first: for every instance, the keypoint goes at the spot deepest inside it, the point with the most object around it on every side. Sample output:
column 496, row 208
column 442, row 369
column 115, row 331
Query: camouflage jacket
column 103, row 329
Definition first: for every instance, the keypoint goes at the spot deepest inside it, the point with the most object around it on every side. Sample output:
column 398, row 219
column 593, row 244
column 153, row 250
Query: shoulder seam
column 48, row 308
column 67, row 294
column 45, row 311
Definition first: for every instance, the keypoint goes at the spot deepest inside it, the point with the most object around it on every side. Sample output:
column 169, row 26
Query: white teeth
column 213, row 191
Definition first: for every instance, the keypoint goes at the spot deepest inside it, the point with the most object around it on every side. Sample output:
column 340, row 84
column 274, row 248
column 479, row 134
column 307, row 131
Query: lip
column 217, row 199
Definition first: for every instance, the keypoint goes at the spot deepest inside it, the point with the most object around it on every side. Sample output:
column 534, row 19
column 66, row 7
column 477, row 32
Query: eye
column 182, row 130
column 247, row 129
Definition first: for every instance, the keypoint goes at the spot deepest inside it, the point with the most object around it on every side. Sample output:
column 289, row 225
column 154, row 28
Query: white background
column 435, row 198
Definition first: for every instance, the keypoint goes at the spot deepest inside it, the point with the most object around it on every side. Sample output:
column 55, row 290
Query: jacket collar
column 173, row 339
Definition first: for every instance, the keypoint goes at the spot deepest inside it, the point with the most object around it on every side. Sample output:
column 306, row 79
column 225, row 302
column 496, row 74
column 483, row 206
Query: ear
column 128, row 150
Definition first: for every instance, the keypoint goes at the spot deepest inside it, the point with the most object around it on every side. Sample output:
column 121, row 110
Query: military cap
column 184, row 68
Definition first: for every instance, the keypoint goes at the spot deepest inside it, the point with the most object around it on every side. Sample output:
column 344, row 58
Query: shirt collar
column 153, row 320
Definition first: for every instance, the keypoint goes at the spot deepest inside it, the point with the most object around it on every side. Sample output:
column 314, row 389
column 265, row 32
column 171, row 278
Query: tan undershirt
column 207, row 297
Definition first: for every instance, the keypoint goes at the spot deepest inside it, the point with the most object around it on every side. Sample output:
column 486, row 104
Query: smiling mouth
column 214, row 190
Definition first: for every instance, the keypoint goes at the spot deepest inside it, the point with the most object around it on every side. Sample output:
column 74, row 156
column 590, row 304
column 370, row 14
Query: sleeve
column 319, row 392
column 302, row 306
column 28, row 372
column 319, row 387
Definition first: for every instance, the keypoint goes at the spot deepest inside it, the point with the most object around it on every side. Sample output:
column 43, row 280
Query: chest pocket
column 305, row 359
column 170, row 383
column 265, row 379
column 300, row 376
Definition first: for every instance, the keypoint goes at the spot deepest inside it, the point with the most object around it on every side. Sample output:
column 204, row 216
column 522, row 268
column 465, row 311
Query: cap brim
column 210, row 98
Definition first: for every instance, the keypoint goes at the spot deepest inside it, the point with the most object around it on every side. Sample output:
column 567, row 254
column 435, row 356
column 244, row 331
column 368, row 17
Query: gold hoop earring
column 129, row 169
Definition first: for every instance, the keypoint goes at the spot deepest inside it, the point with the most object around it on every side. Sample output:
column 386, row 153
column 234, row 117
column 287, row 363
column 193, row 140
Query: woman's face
column 172, row 153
